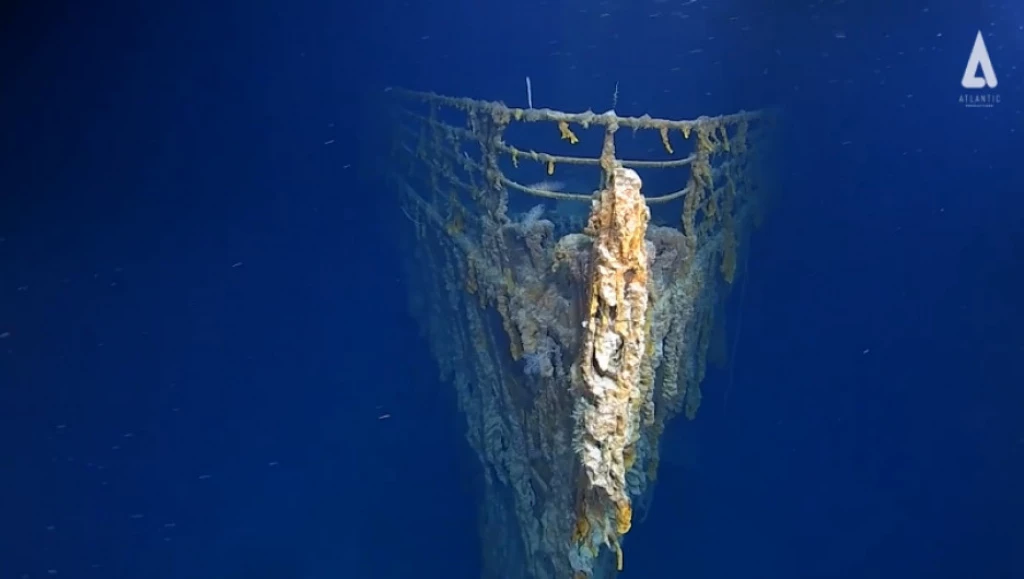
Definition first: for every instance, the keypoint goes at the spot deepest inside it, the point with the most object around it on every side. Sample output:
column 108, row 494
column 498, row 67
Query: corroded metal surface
column 574, row 330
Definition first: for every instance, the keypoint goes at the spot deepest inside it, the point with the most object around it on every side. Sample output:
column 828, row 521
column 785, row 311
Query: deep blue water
column 203, row 315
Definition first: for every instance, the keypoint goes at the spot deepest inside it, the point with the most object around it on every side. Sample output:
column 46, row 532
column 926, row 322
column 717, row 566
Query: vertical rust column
column 607, row 382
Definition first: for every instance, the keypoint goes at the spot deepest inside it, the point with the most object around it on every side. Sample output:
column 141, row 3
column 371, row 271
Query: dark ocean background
column 203, row 314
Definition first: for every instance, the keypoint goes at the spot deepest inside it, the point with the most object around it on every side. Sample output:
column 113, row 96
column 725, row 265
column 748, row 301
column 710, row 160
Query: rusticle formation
column 573, row 324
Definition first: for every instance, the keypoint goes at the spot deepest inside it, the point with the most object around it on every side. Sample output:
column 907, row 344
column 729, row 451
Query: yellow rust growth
column 515, row 158
column 623, row 518
column 614, row 341
column 664, row 140
column 566, row 133
column 581, row 530
column 686, row 132
column 629, row 456
column 551, row 167
column 706, row 139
